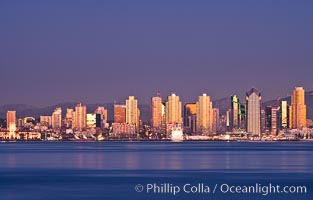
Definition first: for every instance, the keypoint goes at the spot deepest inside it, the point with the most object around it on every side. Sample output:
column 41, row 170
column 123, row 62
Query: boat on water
column 177, row 133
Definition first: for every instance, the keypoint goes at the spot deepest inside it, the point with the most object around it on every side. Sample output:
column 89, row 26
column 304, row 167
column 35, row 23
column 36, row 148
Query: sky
column 100, row 51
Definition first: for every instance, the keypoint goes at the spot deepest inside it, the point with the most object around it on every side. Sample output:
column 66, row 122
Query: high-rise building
column 119, row 113
column 243, row 116
column 46, row 121
column 235, row 110
column 91, row 120
column 11, row 121
column 56, row 118
column 132, row 112
column 289, row 114
column 80, row 115
column 272, row 119
column 283, row 114
column 253, row 98
column 20, row 123
column 228, row 116
column 102, row 111
column 173, row 110
column 216, row 119
column 157, row 112
column 190, row 118
column 204, row 115
column 69, row 118
column 263, row 121
column 298, row 108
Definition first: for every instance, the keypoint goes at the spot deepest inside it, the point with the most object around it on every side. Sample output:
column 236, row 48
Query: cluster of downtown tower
column 199, row 118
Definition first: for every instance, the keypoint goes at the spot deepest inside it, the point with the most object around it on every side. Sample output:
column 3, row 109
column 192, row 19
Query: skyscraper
column 283, row 114
column 69, row 118
column 91, row 120
column 235, row 106
column 216, row 119
column 119, row 113
column 289, row 117
column 46, row 121
column 156, row 111
column 132, row 112
column 253, row 98
column 56, row 118
column 204, row 115
column 102, row 111
column 298, row 108
column 190, row 118
column 80, row 115
column 272, row 119
column 173, row 110
column 11, row 121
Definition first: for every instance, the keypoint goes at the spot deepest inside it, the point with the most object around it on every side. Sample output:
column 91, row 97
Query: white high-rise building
column 253, row 98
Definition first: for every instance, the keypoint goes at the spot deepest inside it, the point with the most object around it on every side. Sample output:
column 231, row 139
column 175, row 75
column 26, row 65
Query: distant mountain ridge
column 24, row 110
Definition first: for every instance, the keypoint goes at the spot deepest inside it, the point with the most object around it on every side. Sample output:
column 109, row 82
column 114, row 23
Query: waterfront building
column 56, row 118
column 216, row 119
column 20, row 123
column 253, row 98
column 298, row 108
column 69, row 118
column 173, row 109
column 204, row 115
column 283, row 115
column 102, row 111
column 272, row 119
column 46, row 121
column 235, row 112
column 119, row 113
column 263, row 121
column 91, row 120
column 11, row 121
column 80, row 117
column 190, row 118
column 289, row 116
column 132, row 112
column 173, row 113
column 157, row 112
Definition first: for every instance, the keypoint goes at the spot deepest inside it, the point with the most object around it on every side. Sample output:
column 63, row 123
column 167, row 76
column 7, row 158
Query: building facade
column 298, row 108
column 253, row 98
column 11, row 121
column 132, row 112
column 56, row 118
column 204, row 115
column 157, row 112
column 80, row 117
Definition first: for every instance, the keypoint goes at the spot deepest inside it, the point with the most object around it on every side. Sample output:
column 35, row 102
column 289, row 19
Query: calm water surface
column 111, row 170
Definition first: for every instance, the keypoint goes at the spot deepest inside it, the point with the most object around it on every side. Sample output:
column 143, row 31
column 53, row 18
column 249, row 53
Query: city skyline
column 168, row 120
column 98, row 51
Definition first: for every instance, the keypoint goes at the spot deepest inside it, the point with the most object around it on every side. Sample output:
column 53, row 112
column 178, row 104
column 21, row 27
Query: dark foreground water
column 113, row 170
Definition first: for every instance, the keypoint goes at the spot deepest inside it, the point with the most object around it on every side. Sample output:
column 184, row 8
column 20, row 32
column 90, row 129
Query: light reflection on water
column 110, row 170
column 280, row 157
